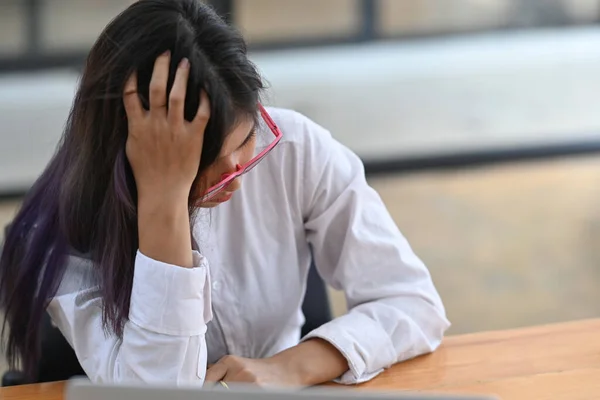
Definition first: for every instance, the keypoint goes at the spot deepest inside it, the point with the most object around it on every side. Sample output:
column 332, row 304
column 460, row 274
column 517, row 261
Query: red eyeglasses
column 215, row 189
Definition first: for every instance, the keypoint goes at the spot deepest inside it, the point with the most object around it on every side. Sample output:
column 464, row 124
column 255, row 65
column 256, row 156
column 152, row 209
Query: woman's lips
column 223, row 198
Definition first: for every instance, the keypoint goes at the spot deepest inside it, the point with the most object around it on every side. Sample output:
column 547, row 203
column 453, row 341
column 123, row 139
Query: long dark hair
column 85, row 200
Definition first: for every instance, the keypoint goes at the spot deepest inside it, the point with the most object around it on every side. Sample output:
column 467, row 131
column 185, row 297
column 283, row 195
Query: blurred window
column 13, row 30
column 75, row 24
column 430, row 16
column 49, row 28
column 397, row 18
column 276, row 21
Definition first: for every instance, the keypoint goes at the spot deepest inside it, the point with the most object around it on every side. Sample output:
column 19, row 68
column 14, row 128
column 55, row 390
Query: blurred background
column 477, row 121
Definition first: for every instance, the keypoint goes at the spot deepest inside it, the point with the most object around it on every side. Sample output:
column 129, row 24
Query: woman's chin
column 215, row 202
column 208, row 204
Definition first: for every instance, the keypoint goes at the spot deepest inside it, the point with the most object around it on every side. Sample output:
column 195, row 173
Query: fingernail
column 167, row 53
column 185, row 63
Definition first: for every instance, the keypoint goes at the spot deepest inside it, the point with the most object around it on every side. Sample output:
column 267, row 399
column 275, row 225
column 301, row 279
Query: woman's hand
column 262, row 372
column 164, row 152
column 309, row 363
column 162, row 147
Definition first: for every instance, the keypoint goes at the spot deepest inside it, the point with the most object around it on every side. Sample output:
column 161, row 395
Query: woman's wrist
column 312, row 362
column 155, row 198
column 164, row 228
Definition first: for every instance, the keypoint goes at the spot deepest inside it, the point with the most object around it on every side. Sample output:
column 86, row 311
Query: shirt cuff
column 169, row 299
column 365, row 345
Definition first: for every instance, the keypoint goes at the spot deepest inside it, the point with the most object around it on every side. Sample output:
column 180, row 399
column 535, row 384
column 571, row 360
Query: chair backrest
column 58, row 361
column 315, row 307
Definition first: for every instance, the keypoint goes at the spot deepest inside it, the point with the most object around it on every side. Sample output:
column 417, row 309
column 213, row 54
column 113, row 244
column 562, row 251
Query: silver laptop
column 82, row 389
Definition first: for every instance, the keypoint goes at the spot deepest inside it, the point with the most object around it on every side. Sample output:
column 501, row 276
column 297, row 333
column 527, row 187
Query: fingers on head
column 176, row 97
column 131, row 98
column 158, row 82
column 178, row 92
column 203, row 113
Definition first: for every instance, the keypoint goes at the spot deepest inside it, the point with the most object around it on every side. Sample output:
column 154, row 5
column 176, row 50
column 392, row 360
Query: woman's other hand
column 309, row 363
column 262, row 372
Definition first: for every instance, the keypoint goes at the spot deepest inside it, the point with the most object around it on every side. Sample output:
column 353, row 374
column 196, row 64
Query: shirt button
column 216, row 285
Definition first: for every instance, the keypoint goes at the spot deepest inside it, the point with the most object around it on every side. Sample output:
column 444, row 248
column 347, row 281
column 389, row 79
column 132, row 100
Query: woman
column 164, row 124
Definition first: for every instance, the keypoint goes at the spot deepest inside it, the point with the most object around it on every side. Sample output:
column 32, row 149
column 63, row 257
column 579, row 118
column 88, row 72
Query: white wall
column 391, row 99
column 382, row 100
column 33, row 110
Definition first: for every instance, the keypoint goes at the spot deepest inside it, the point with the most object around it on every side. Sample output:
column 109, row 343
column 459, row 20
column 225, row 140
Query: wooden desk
column 560, row 361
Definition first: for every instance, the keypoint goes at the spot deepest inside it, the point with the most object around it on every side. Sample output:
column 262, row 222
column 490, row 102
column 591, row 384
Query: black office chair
column 58, row 361
column 315, row 306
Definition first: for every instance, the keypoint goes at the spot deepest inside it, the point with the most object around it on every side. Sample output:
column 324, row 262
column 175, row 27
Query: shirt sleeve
column 395, row 312
column 163, row 340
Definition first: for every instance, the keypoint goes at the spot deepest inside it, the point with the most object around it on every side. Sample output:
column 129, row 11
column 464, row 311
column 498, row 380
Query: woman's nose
column 236, row 183
column 228, row 174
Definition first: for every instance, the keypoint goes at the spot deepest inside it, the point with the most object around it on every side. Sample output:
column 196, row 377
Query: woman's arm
column 164, row 152
column 164, row 228
column 163, row 340
column 395, row 312
column 309, row 363
column 312, row 362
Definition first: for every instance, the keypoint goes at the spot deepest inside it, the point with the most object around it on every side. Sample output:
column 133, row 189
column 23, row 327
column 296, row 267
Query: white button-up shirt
column 307, row 199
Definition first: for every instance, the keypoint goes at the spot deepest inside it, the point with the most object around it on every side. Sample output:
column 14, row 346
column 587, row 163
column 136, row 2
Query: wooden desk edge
column 55, row 390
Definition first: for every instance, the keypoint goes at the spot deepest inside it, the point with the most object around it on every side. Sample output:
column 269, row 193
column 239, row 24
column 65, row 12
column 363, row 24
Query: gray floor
column 509, row 245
